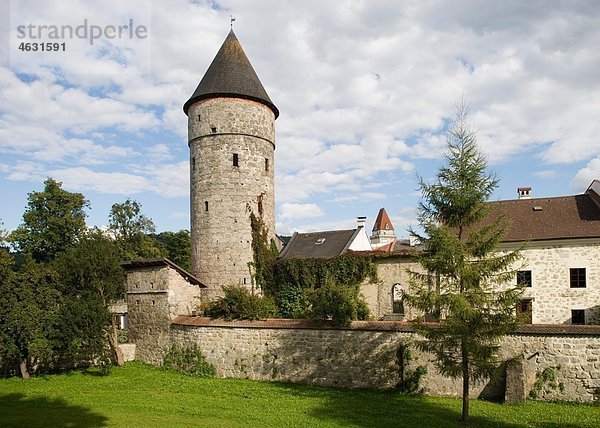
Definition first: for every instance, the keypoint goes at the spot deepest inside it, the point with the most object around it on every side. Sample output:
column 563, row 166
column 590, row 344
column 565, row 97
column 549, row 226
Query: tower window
column 205, row 205
column 198, row 118
column 193, row 164
column 577, row 277
column 213, row 129
column 266, row 165
column 236, row 160
column 524, row 278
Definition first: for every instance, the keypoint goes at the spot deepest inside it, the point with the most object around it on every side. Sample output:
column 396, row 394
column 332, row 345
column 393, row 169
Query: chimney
column 413, row 241
column 362, row 221
column 524, row 192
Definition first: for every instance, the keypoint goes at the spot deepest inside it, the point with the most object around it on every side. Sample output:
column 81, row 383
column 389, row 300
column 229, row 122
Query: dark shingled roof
column 318, row 244
column 231, row 75
column 563, row 217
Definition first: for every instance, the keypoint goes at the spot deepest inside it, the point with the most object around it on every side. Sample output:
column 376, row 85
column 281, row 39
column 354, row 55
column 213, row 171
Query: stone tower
column 231, row 136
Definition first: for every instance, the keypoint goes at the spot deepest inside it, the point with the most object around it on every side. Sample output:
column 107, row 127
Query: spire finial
column 231, row 19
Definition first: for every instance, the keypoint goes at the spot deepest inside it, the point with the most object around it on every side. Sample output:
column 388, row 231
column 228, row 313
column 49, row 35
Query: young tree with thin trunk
column 465, row 284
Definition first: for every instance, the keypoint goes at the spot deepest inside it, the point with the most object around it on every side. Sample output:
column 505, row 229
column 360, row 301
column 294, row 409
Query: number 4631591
column 43, row 47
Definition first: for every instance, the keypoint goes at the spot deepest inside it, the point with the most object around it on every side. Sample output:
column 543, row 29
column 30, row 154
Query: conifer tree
column 465, row 286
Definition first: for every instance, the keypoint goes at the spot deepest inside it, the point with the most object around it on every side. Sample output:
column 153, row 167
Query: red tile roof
column 382, row 220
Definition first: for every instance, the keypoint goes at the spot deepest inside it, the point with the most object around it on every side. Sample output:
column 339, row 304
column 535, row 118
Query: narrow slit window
column 193, row 164
column 236, row 160
column 266, row 165
column 205, row 205
column 199, row 118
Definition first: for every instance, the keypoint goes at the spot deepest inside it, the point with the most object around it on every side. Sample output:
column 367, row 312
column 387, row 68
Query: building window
column 193, row 164
column 524, row 278
column 205, row 205
column 213, row 129
column 397, row 300
column 577, row 277
column 266, row 165
column 525, row 310
column 236, row 160
column 578, row 316
column 199, row 118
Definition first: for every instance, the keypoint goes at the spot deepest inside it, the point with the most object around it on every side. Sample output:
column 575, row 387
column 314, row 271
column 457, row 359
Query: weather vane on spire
column 231, row 19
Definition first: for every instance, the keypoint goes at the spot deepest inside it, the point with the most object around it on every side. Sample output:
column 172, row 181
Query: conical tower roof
column 382, row 222
column 231, row 75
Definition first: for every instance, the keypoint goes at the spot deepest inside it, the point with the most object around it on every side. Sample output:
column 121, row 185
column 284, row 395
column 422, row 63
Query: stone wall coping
column 298, row 324
column 400, row 326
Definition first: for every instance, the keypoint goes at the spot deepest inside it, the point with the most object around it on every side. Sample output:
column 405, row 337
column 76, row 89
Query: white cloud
column 291, row 212
column 82, row 179
column 365, row 91
column 586, row 175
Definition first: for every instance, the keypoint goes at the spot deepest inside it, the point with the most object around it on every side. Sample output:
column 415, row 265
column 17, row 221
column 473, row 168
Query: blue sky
column 365, row 90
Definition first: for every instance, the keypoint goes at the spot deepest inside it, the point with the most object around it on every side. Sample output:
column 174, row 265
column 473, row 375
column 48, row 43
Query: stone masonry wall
column 364, row 356
column 155, row 296
column 222, row 193
column 390, row 271
column 553, row 299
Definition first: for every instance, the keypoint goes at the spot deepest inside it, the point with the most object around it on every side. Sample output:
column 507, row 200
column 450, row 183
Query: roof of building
column 142, row 263
column 563, row 217
column 231, row 75
column 319, row 244
column 382, row 222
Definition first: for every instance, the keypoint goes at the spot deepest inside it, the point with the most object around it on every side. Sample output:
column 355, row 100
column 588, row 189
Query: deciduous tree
column 131, row 229
column 52, row 222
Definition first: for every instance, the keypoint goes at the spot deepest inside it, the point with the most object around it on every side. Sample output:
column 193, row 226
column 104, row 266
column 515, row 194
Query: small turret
column 383, row 230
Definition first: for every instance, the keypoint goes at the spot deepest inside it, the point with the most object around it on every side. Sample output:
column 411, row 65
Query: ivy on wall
column 316, row 288
column 264, row 252
column 309, row 288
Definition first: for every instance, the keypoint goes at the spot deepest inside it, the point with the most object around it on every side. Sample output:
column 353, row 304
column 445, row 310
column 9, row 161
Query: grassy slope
column 143, row 396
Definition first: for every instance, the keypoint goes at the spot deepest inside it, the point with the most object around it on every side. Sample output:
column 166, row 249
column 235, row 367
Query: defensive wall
column 161, row 300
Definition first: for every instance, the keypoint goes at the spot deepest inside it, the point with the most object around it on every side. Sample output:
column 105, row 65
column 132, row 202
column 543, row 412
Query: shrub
column 339, row 303
column 238, row 303
column 189, row 361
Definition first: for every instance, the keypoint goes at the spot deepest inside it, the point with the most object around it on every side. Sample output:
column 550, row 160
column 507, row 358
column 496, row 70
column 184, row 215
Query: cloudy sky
column 366, row 90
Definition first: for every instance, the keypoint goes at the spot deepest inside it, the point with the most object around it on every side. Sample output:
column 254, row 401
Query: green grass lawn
column 142, row 396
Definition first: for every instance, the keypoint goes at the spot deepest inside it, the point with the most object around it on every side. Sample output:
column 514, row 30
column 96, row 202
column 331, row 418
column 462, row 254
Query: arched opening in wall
column 397, row 300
